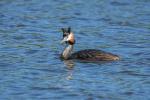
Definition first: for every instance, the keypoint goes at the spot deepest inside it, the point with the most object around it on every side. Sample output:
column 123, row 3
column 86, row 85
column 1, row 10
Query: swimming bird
column 85, row 55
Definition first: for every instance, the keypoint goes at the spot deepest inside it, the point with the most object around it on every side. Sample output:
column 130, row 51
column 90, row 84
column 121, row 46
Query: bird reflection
column 69, row 65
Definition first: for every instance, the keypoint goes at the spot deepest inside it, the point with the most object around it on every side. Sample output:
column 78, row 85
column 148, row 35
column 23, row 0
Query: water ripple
column 30, row 68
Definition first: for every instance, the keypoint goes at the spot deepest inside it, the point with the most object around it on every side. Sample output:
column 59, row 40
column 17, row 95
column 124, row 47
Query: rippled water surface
column 30, row 68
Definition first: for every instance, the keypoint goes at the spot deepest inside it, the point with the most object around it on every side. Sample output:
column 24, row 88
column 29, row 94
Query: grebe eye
column 64, row 35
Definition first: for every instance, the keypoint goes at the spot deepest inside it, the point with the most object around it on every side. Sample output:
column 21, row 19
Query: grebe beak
column 65, row 39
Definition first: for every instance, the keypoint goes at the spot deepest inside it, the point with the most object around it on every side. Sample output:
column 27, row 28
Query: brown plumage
column 94, row 55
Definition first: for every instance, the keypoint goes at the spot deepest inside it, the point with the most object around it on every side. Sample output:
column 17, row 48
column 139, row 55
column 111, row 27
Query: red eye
column 64, row 35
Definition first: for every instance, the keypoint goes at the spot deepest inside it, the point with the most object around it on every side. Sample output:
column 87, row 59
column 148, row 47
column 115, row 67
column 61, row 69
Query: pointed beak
column 64, row 40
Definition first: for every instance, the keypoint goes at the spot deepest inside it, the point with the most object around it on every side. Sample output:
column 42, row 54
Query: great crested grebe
column 86, row 55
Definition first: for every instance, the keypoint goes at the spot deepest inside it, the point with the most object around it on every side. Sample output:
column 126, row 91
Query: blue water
column 30, row 68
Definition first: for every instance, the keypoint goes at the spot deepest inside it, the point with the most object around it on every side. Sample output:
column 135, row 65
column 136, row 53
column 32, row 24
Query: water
column 30, row 68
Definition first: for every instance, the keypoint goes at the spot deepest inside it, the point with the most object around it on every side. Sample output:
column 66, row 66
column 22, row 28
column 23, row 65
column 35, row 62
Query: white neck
column 67, row 52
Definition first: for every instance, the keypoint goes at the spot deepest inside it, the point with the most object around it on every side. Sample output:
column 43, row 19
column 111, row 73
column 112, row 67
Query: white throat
column 67, row 52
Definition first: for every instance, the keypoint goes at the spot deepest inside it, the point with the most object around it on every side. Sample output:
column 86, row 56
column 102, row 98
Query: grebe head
column 68, row 36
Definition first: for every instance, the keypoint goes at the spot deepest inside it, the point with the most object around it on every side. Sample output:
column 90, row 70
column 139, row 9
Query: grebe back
column 86, row 55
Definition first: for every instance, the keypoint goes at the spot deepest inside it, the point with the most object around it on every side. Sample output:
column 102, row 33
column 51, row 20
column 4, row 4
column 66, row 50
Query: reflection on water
column 69, row 65
column 30, row 68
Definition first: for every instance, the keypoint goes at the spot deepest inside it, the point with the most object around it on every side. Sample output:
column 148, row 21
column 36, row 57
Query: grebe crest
column 86, row 55
column 68, row 36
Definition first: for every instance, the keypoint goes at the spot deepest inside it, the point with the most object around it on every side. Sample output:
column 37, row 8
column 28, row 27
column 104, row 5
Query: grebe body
column 86, row 55
column 94, row 55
